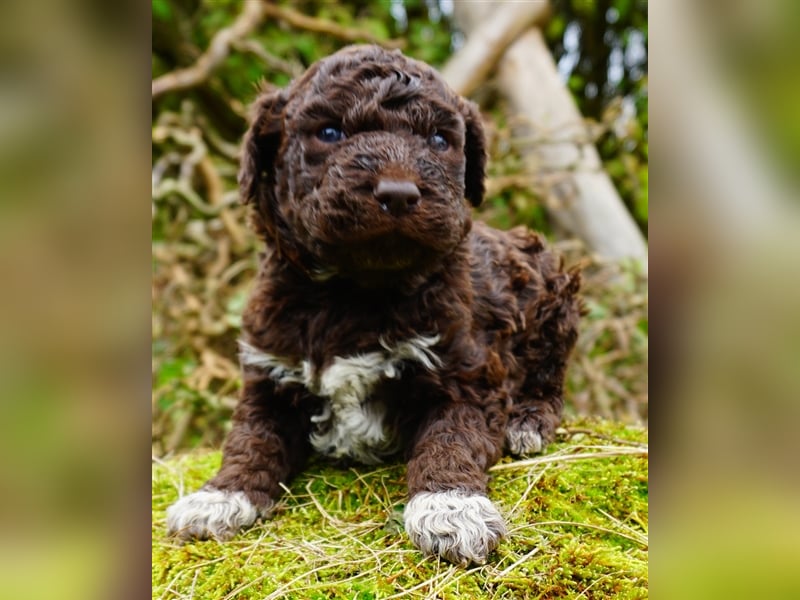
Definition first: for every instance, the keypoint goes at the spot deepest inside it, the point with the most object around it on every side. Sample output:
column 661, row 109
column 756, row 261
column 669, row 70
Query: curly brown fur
column 382, row 321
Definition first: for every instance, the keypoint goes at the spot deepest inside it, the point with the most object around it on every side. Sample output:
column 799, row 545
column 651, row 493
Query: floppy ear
column 475, row 152
column 259, row 149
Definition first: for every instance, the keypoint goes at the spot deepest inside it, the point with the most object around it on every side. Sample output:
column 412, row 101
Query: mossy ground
column 577, row 519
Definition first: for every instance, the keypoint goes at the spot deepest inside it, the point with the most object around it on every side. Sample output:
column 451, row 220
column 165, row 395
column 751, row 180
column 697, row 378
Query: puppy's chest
column 353, row 421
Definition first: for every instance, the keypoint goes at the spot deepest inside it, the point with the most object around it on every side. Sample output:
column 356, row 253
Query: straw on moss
column 577, row 520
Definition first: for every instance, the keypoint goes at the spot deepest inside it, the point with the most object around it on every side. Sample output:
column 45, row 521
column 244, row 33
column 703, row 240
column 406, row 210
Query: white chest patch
column 350, row 424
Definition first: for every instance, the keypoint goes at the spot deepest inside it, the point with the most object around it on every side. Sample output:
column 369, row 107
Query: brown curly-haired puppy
column 383, row 321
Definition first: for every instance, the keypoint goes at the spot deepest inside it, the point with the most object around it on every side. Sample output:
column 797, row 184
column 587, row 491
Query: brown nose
column 397, row 197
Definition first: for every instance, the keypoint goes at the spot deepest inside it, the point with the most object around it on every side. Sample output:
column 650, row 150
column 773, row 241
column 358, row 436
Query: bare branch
column 251, row 16
column 301, row 21
column 488, row 39
column 293, row 69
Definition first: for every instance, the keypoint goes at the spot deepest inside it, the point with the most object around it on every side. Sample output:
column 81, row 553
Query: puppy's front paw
column 529, row 430
column 210, row 513
column 458, row 526
column 521, row 440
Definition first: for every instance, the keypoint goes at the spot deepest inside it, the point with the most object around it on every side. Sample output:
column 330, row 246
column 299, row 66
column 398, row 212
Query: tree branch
column 578, row 194
column 488, row 39
column 301, row 21
column 251, row 16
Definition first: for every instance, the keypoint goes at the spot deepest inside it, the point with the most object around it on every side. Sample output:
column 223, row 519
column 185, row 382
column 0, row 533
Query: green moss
column 577, row 526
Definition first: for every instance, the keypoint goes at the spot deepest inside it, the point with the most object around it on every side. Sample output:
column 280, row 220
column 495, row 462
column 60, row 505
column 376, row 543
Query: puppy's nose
column 397, row 197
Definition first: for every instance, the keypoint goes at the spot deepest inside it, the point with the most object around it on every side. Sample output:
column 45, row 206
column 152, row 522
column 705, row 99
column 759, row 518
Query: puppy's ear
column 259, row 149
column 475, row 151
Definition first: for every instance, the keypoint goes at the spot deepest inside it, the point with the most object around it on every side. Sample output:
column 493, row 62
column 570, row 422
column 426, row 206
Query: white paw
column 458, row 526
column 522, row 441
column 211, row 513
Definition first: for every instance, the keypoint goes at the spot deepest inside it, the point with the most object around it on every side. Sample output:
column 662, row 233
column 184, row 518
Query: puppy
column 383, row 322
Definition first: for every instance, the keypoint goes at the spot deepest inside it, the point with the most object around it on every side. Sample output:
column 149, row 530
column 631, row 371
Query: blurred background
column 204, row 255
column 85, row 263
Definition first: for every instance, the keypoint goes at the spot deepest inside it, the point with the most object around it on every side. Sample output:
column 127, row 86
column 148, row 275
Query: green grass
column 577, row 519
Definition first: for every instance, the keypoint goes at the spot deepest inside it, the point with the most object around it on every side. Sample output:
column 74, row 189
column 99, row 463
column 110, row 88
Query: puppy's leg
column 448, row 512
column 542, row 353
column 265, row 447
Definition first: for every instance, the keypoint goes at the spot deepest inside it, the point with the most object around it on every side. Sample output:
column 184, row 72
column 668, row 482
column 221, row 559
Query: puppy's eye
column 330, row 135
column 437, row 142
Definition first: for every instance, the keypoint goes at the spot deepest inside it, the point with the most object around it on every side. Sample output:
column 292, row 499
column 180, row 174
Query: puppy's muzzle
column 397, row 197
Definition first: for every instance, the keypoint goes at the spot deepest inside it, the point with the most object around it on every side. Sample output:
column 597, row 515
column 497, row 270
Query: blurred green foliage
column 756, row 48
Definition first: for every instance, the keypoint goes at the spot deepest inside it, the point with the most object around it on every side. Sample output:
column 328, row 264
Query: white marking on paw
column 349, row 425
column 211, row 513
column 522, row 441
column 458, row 526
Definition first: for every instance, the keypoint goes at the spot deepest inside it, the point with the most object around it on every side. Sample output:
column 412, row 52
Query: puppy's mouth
column 354, row 236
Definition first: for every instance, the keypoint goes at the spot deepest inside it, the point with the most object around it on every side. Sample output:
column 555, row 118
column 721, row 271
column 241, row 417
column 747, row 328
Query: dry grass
column 577, row 528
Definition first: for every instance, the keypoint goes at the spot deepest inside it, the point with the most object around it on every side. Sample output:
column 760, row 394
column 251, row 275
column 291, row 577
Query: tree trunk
column 578, row 193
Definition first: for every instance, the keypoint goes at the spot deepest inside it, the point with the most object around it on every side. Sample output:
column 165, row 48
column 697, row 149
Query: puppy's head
column 361, row 167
